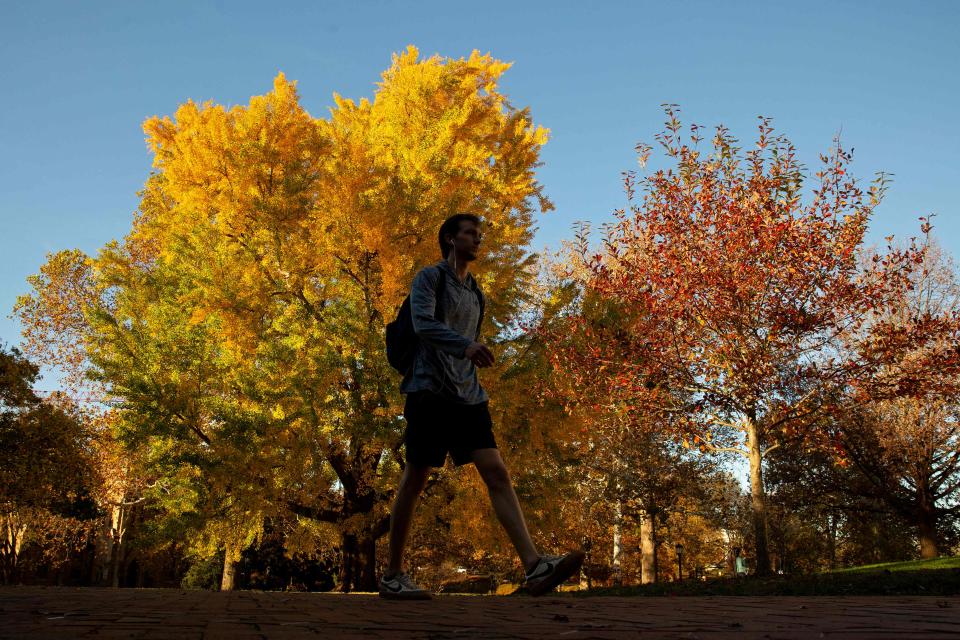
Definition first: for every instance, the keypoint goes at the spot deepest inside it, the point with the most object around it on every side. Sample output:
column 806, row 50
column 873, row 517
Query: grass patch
column 938, row 577
column 909, row 565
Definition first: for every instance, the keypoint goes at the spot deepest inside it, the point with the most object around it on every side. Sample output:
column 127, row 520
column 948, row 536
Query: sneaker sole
column 401, row 595
column 570, row 564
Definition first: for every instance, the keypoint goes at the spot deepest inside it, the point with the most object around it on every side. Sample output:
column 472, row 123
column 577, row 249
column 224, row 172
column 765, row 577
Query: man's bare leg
column 411, row 484
column 505, row 504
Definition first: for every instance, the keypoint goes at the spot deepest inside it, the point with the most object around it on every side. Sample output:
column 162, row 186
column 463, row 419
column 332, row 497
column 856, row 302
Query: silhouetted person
column 446, row 411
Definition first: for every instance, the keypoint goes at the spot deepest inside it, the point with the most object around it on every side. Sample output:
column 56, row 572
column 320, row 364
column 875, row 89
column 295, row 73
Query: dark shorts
column 437, row 425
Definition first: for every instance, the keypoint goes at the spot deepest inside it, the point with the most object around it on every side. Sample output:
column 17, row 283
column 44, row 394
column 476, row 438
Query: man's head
column 460, row 232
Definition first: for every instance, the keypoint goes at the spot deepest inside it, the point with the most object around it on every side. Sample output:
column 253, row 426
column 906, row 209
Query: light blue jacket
column 440, row 365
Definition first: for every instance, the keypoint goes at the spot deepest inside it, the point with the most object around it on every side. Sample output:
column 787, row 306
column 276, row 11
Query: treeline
column 233, row 421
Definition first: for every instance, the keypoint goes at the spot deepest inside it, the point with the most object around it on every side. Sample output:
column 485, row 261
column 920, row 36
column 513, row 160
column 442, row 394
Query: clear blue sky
column 78, row 79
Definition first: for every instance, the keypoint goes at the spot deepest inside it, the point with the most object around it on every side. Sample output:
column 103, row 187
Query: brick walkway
column 37, row 612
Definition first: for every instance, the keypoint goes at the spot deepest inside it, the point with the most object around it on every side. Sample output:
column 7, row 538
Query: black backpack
column 402, row 341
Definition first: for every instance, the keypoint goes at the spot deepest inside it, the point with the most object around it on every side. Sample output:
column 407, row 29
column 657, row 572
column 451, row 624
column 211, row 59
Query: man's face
column 468, row 239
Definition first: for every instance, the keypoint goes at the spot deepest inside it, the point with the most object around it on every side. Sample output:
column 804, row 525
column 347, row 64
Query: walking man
column 446, row 411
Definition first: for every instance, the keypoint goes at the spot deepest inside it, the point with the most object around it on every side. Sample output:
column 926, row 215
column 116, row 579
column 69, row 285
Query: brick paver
column 38, row 612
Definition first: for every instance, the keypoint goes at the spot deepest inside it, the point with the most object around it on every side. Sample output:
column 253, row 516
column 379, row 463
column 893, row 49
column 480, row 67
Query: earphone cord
column 459, row 297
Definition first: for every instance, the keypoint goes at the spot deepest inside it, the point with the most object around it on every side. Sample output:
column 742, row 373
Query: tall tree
column 744, row 297
column 241, row 322
column 905, row 439
column 908, row 451
column 824, row 512
column 46, row 475
column 643, row 472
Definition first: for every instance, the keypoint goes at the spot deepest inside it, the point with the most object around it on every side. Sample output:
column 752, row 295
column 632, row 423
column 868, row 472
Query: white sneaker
column 401, row 587
column 551, row 571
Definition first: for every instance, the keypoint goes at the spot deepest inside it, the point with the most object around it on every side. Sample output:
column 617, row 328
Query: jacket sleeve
column 423, row 303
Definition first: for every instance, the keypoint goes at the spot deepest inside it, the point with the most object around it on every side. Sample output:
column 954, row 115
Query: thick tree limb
column 322, row 515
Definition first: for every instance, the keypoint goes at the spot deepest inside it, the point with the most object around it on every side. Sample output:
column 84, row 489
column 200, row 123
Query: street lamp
column 679, row 549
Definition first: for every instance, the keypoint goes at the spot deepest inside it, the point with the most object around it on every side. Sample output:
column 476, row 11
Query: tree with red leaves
column 743, row 311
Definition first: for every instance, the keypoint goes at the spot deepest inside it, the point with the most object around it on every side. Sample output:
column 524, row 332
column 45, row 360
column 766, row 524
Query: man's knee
column 496, row 476
column 415, row 478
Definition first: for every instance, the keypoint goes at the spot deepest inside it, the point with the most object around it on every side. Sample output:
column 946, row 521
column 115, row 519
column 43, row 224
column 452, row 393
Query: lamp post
column 679, row 549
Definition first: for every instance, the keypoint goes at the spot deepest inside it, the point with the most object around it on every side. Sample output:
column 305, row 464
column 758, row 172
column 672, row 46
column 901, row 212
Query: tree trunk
column 585, row 579
column 927, row 529
column 13, row 532
column 365, row 575
column 617, row 574
column 229, row 569
column 63, row 573
column 94, row 572
column 758, row 502
column 832, row 539
column 358, row 563
column 656, row 548
column 114, row 571
column 117, row 529
column 648, row 549
column 348, row 555
column 928, row 541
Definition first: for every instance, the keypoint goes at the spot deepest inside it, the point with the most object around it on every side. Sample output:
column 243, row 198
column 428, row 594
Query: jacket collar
column 470, row 282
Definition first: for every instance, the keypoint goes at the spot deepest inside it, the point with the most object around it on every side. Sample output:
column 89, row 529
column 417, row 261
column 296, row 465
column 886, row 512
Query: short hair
column 451, row 226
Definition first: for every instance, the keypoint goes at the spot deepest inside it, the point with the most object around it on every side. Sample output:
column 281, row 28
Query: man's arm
column 423, row 303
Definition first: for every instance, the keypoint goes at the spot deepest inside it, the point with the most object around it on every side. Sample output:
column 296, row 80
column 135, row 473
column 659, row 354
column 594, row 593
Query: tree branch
column 322, row 515
column 715, row 449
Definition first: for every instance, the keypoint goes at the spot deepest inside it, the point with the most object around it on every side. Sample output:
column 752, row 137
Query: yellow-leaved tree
column 239, row 326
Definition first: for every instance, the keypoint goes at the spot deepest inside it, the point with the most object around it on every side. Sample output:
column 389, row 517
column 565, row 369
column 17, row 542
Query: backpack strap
column 482, row 304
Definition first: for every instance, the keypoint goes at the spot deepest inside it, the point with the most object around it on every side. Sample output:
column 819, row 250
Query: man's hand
column 479, row 355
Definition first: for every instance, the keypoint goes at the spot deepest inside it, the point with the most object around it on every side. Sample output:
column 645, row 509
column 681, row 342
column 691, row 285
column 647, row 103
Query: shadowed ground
column 47, row 612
